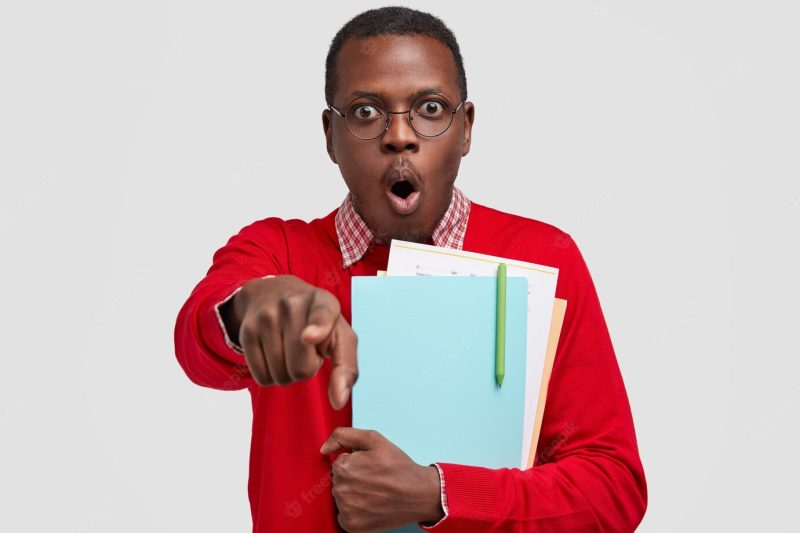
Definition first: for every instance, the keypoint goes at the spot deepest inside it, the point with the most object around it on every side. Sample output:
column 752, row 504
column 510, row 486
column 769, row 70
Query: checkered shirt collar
column 355, row 237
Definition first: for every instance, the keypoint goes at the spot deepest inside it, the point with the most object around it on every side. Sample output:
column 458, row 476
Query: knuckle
column 260, row 377
column 306, row 369
column 282, row 381
column 341, row 471
column 290, row 302
column 249, row 288
column 327, row 298
column 248, row 331
column 281, row 376
column 343, row 460
column 354, row 524
column 302, row 374
column 267, row 317
column 347, row 520
column 347, row 332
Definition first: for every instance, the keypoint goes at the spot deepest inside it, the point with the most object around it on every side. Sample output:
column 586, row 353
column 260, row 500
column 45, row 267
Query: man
column 272, row 315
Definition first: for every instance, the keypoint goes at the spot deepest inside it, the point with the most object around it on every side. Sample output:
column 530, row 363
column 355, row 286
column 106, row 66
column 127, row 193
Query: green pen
column 500, row 343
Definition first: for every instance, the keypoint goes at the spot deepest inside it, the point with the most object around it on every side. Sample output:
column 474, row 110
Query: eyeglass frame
column 390, row 113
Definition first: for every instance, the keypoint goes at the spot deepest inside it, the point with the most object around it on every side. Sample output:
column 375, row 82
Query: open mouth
column 403, row 192
column 402, row 189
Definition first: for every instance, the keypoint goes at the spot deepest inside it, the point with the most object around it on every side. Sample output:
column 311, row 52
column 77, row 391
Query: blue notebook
column 426, row 357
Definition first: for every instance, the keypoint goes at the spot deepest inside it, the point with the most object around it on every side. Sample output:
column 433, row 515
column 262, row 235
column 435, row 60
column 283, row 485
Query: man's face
column 401, row 182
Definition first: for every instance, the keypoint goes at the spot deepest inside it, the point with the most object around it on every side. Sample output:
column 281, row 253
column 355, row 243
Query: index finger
column 344, row 373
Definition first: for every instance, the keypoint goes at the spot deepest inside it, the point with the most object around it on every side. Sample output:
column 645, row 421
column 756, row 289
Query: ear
column 469, row 119
column 327, row 127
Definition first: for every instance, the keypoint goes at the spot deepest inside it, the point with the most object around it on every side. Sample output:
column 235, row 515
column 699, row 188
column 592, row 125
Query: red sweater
column 587, row 474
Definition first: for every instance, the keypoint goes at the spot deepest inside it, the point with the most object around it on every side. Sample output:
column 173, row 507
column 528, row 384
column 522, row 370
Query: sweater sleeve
column 587, row 475
column 202, row 345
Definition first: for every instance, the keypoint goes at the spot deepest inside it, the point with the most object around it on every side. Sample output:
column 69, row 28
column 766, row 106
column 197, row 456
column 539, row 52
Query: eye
column 431, row 108
column 365, row 112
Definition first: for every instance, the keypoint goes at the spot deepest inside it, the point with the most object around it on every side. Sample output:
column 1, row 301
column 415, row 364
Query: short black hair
column 392, row 20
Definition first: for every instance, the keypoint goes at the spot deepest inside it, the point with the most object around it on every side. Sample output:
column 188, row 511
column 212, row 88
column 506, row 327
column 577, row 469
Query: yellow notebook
column 559, row 309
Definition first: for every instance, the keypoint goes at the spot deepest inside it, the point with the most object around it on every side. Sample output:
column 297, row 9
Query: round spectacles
column 367, row 118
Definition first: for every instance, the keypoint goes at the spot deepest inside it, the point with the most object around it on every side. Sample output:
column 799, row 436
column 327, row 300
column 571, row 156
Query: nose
column 400, row 136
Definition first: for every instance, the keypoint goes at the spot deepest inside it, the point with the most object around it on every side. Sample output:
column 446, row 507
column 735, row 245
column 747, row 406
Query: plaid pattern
column 355, row 237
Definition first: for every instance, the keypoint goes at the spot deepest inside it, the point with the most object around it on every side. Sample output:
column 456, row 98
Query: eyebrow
column 421, row 92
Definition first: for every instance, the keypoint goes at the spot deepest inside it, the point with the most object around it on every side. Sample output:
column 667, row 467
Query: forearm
column 586, row 493
column 588, row 475
column 202, row 346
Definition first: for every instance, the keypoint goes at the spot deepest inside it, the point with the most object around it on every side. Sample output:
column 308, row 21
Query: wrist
column 234, row 310
column 431, row 505
column 238, row 308
column 230, row 321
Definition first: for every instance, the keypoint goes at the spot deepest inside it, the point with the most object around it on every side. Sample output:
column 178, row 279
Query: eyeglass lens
column 367, row 118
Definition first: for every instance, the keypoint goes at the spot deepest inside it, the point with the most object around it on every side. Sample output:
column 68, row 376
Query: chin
column 402, row 234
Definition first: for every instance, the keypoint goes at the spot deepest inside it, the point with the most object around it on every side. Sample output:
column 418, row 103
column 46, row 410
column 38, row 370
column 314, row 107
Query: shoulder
column 284, row 230
column 504, row 234
column 531, row 239
column 279, row 240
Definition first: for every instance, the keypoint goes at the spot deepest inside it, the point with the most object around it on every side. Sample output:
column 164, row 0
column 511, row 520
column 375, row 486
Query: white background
column 136, row 138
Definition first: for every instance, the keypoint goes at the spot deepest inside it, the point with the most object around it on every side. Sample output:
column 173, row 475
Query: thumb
column 347, row 437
